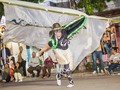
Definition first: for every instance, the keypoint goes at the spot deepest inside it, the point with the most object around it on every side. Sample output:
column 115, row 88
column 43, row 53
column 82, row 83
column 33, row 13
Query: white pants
column 18, row 76
column 64, row 57
column 59, row 68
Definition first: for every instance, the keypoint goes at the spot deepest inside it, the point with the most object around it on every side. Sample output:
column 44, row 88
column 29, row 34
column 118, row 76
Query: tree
column 88, row 5
column 91, row 5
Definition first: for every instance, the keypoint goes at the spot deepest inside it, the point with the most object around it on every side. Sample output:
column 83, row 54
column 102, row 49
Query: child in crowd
column 12, row 72
column 12, row 67
column 12, row 61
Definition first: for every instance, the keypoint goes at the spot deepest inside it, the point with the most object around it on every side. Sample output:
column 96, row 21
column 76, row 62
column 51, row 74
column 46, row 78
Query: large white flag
column 30, row 24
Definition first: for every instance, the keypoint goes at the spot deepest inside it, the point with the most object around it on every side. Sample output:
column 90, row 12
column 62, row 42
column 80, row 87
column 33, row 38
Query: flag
column 30, row 24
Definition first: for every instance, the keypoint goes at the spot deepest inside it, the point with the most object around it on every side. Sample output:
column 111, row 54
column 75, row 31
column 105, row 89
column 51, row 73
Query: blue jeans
column 112, row 66
column 107, row 50
column 6, row 76
column 97, row 55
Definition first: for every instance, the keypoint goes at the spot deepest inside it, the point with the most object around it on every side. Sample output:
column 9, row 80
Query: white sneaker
column 4, row 81
column 102, row 71
column 118, row 73
column 94, row 72
column 16, row 80
column 20, row 80
column 70, row 85
column 58, row 82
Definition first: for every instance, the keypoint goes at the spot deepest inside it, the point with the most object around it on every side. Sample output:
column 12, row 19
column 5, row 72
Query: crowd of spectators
column 107, row 54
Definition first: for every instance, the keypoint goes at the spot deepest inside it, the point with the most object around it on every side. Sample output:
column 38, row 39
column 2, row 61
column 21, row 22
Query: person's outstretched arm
column 44, row 49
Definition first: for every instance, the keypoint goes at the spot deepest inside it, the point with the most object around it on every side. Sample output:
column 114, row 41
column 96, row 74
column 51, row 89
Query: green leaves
column 89, row 8
column 91, row 5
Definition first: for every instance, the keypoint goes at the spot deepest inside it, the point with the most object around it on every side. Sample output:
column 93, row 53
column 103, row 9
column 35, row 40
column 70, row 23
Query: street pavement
column 82, row 81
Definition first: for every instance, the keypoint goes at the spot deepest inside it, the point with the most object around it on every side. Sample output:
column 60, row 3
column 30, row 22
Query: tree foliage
column 91, row 5
column 88, row 5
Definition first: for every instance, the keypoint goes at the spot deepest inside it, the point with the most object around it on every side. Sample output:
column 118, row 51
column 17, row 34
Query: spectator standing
column 4, row 54
column 21, row 61
column 97, row 54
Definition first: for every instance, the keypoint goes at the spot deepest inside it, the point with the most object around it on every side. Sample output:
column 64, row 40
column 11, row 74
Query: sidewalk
column 74, row 75
column 53, row 76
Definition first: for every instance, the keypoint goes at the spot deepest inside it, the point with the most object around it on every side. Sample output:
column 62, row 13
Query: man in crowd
column 4, row 54
column 114, row 60
column 34, row 65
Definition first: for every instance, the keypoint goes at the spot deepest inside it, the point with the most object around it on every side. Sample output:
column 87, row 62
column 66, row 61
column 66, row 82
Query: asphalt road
column 82, row 82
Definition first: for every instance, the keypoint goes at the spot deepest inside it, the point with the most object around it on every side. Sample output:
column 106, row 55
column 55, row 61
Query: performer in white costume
column 59, row 43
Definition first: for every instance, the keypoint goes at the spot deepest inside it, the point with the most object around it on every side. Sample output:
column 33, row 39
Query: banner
column 31, row 26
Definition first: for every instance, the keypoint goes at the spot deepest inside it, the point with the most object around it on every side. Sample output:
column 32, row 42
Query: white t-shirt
column 34, row 62
column 115, row 57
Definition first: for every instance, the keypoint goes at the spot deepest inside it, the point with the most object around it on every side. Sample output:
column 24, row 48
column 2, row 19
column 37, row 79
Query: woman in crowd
column 48, row 64
column 6, row 73
column 18, row 73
